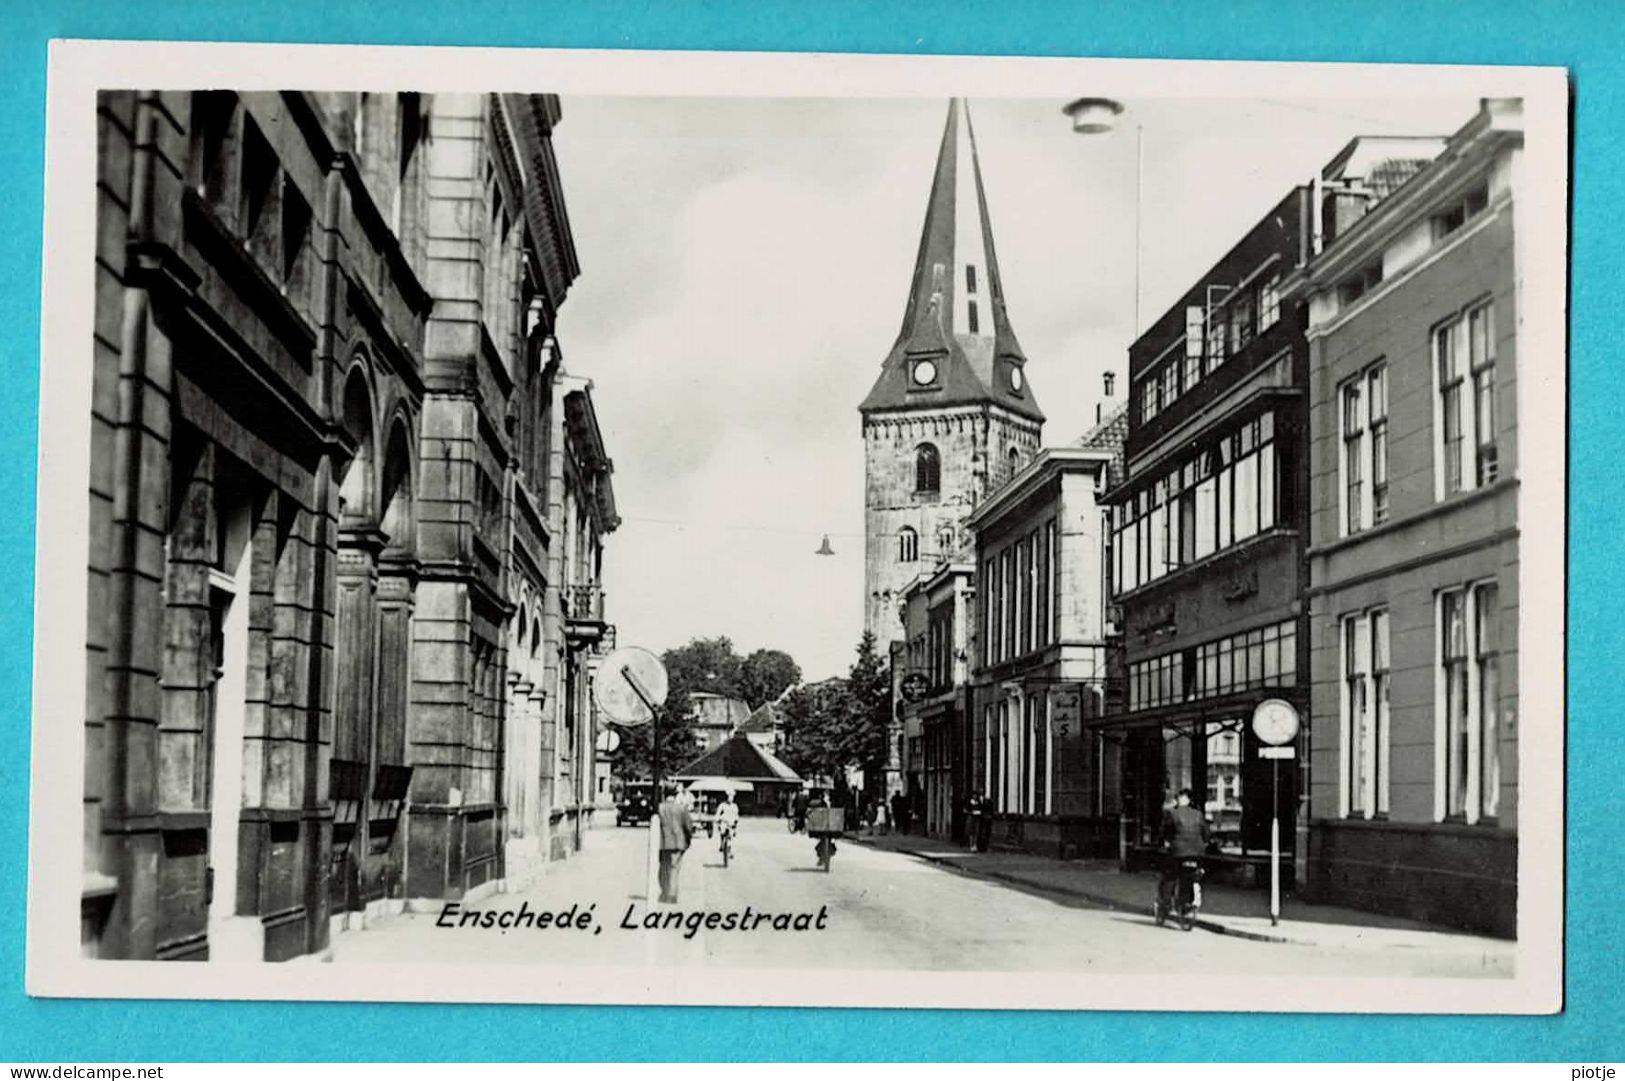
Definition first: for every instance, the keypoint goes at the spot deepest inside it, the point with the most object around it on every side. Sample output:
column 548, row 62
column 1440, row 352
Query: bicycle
column 825, row 850
column 1184, row 899
column 726, row 844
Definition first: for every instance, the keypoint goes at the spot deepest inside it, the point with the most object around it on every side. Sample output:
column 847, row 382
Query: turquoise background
column 1586, row 37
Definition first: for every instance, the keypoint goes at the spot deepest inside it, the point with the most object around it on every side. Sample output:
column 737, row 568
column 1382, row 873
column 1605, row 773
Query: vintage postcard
column 801, row 530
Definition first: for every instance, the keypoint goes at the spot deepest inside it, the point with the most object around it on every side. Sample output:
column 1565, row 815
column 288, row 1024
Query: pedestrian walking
column 799, row 819
column 676, row 834
column 899, row 811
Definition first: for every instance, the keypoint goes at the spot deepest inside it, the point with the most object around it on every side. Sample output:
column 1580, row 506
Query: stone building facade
column 932, row 670
column 1042, row 656
column 1414, row 315
column 952, row 414
column 312, row 372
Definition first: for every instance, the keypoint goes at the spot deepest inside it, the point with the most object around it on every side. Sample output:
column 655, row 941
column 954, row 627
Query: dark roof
column 737, row 757
column 1110, row 435
column 765, row 719
column 967, row 363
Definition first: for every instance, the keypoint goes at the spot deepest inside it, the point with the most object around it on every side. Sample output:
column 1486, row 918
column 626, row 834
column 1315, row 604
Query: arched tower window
column 927, row 469
column 908, row 545
column 1015, row 461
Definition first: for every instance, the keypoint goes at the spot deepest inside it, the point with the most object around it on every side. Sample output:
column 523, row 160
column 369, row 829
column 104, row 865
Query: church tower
column 952, row 415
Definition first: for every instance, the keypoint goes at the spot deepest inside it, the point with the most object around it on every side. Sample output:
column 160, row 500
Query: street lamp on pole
column 1101, row 116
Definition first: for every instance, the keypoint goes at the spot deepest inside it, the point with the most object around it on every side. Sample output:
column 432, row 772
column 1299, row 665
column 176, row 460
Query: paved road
column 880, row 910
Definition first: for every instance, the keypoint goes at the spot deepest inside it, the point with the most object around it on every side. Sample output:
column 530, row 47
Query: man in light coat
column 676, row 834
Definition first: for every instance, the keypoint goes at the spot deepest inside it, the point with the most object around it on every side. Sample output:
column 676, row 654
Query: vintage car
column 636, row 804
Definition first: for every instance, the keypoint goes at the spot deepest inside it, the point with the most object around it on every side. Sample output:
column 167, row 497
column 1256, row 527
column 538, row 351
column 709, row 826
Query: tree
column 870, row 684
column 832, row 726
column 817, row 726
column 765, row 675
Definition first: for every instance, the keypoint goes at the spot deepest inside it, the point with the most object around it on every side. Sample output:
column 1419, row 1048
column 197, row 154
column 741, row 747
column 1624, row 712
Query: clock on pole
column 1275, row 723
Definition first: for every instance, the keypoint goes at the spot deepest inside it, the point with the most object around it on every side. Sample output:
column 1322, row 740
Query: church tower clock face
column 951, row 402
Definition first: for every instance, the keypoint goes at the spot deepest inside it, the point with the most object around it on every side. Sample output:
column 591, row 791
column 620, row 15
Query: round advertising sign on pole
column 631, row 683
column 608, row 741
column 1275, row 721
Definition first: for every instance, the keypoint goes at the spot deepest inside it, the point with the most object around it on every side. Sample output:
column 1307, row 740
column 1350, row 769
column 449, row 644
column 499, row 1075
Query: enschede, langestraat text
column 584, row 919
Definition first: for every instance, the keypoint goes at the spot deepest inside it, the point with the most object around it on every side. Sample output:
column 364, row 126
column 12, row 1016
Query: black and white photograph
column 800, row 530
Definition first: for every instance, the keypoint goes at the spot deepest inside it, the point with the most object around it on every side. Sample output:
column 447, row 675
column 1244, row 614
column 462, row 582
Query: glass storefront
column 1218, row 761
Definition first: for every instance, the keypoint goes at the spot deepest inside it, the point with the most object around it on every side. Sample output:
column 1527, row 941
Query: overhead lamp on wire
column 1101, row 116
column 824, row 549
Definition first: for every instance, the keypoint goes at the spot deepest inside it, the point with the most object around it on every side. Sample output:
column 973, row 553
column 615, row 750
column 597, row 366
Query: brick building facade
column 1413, row 560
column 1208, row 532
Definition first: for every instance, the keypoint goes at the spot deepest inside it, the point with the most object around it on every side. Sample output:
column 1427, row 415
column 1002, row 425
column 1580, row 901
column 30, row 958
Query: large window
column 1365, row 714
column 1464, row 406
column 1364, row 450
column 927, row 469
column 1469, row 728
column 1222, row 495
column 1261, row 657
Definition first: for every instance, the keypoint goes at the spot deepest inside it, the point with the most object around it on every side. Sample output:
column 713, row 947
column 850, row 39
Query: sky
column 745, row 263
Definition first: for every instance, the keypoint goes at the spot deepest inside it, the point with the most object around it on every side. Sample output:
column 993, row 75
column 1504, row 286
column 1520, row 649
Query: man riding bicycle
column 1184, row 838
column 727, row 820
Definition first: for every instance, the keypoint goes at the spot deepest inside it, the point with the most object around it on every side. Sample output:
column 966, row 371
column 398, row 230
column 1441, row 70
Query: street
column 879, row 910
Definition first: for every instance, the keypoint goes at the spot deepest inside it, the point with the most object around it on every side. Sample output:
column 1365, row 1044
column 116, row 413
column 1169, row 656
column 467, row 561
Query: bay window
column 1222, row 495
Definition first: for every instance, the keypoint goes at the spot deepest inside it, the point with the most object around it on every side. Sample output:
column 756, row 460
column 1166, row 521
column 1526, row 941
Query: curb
column 1110, row 903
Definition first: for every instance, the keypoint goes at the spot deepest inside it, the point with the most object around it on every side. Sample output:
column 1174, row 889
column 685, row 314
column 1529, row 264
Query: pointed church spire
column 955, row 319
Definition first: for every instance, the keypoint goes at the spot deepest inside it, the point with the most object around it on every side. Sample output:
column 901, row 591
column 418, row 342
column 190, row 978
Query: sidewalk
column 1227, row 910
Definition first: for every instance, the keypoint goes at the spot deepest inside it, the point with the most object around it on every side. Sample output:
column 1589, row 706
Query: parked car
column 636, row 805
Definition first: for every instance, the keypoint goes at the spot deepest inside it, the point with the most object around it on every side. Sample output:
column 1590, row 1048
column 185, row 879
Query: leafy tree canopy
column 709, row 665
column 766, row 674
column 832, row 726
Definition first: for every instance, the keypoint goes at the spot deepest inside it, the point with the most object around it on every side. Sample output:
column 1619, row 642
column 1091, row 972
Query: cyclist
column 728, row 819
column 1184, row 837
